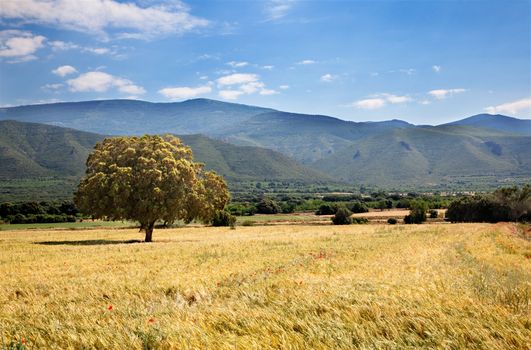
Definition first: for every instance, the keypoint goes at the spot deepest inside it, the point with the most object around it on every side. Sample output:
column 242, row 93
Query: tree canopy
column 147, row 179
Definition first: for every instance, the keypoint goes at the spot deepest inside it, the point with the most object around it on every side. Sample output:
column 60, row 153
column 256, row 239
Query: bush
column 248, row 223
column 434, row 214
column 392, row 221
column 287, row 208
column 223, row 218
column 326, row 209
column 417, row 212
column 342, row 217
column 267, row 206
column 242, row 209
column 360, row 221
column 358, row 207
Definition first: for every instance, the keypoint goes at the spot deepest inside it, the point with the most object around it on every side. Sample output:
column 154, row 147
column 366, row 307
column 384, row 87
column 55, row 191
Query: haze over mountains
column 389, row 154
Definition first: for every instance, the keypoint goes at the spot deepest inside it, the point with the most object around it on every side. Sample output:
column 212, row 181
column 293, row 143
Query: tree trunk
column 149, row 231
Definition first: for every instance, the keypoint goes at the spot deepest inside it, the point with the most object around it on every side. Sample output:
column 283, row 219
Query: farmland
column 264, row 287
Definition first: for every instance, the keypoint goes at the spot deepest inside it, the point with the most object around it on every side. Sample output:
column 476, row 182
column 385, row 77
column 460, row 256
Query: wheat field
column 449, row 286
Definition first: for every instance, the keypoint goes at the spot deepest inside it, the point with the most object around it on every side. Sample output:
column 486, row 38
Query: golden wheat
column 290, row 287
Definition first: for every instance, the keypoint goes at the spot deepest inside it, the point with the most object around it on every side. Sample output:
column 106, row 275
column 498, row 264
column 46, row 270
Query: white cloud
column 328, row 78
column 267, row 92
column 277, row 9
column 52, row 86
column 441, row 94
column 97, row 16
column 241, row 84
column 436, row 68
column 59, row 45
column 235, row 64
column 230, row 94
column 183, row 92
column 97, row 50
column 101, row 82
column 369, row 103
column 19, row 45
column 511, row 107
column 305, row 62
column 283, row 87
column 268, row 67
column 425, row 102
column 237, row 78
column 64, row 70
column 394, row 99
column 380, row 100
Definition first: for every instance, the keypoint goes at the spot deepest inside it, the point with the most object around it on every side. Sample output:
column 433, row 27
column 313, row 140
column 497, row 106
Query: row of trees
column 504, row 204
column 37, row 212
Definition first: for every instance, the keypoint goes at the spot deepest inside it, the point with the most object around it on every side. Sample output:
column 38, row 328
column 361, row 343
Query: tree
column 342, row 217
column 417, row 212
column 147, row 179
column 267, row 206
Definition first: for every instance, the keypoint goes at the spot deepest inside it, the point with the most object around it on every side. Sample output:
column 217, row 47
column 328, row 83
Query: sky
column 426, row 62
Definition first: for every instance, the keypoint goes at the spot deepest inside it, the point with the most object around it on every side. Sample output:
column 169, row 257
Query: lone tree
column 147, row 179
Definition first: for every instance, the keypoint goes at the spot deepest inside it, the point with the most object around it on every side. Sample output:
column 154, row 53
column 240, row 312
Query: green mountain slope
column 31, row 151
column 430, row 156
column 497, row 122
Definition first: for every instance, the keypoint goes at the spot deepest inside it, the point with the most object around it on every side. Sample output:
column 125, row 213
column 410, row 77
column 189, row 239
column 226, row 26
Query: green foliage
column 326, row 209
column 358, row 207
column 223, row 218
column 146, row 179
column 267, row 206
column 248, row 223
column 287, row 208
column 342, row 217
column 241, row 209
column 417, row 212
column 392, row 221
column 505, row 204
column 360, row 221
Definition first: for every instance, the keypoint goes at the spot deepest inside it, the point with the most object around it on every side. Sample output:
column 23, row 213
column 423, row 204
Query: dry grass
column 290, row 287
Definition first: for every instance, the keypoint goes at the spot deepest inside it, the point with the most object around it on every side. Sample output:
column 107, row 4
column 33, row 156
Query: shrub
column 392, row 221
column 358, row 207
column 287, row 208
column 417, row 212
column 267, row 206
column 326, row 209
column 434, row 214
column 248, row 223
column 223, row 218
column 360, row 221
column 342, row 217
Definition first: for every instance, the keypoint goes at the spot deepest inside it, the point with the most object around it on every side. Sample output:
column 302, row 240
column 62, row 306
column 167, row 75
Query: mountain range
column 248, row 143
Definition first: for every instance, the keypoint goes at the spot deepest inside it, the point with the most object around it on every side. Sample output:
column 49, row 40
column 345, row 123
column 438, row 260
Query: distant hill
column 497, row 122
column 482, row 149
column 130, row 117
column 35, row 151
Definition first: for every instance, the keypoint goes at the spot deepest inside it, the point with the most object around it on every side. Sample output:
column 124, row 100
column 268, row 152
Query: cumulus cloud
column 235, row 64
column 306, row 62
column 328, row 78
column 237, row 78
column 436, row 68
column 277, row 9
column 64, row 70
column 97, row 16
column 370, row 103
column 184, row 92
column 380, row 100
column 101, row 82
column 234, row 85
column 441, row 94
column 511, row 107
column 19, row 45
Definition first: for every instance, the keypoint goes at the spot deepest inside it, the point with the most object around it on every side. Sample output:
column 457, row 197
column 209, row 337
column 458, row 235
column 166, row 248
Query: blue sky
column 426, row 62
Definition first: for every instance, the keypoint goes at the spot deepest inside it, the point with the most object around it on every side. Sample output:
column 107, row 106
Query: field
column 451, row 286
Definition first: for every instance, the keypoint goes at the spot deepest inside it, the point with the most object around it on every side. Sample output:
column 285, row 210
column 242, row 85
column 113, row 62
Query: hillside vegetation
column 479, row 152
column 462, row 286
